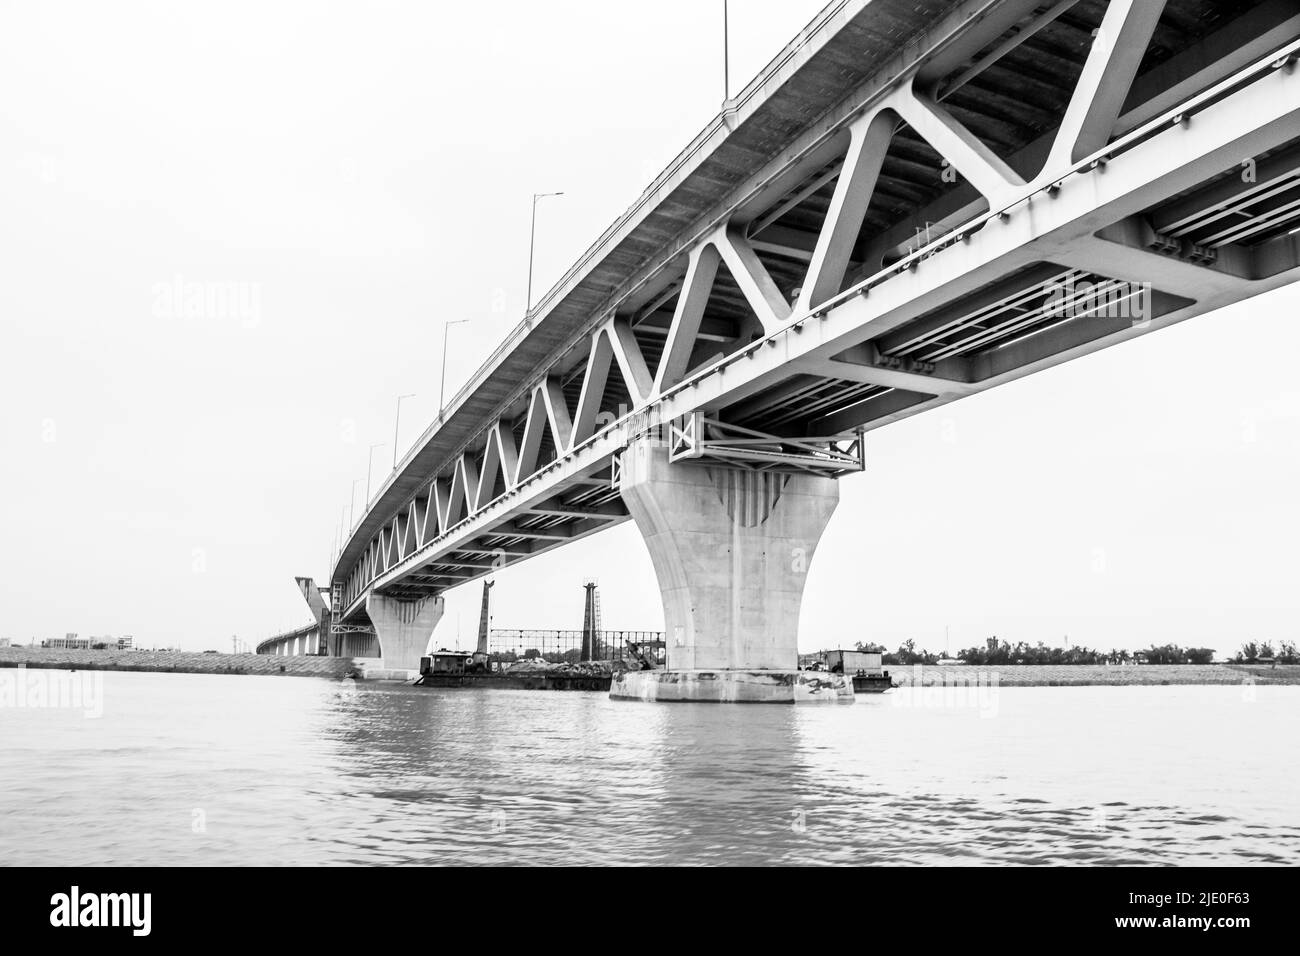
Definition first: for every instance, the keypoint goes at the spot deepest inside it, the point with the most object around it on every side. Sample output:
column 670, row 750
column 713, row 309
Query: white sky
column 366, row 170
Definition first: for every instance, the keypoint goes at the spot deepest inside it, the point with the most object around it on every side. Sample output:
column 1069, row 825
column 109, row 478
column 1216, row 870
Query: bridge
column 913, row 202
column 299, row 642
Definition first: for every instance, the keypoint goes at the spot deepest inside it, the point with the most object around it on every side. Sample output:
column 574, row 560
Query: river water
column 172, row 769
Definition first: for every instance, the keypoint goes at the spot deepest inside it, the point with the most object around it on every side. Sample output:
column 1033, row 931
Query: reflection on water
column 190, row 769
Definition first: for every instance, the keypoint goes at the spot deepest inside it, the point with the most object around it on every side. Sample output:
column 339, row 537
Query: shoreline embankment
column 925, row 675
column 1084, row 675
column 174, row 662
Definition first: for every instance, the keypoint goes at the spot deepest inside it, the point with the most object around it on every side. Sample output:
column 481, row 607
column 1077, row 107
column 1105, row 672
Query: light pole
column 352, row 500
column 370, row 461
column 397, row 421
column 726, row 55
column 532, row 235
column 442, row 386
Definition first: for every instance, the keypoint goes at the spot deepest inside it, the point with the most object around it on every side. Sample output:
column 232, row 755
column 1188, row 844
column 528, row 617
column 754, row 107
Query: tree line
column 1252, row 652
column 997, row 651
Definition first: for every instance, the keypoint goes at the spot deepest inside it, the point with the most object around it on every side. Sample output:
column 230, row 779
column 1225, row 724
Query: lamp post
column 397, row 421
column 442, row 386
column 532, row 236
column 726, row 55
column 370, row 461
column 352, row 500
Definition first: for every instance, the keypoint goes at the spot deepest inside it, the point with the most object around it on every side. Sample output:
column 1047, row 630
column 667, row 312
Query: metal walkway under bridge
column 914, row 201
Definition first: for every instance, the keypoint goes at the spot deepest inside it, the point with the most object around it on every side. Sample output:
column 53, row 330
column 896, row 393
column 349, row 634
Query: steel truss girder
column 461, row 506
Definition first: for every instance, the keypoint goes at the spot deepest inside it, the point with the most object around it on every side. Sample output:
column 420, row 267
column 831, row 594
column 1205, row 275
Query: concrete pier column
column 731, row 549
column 404, row 628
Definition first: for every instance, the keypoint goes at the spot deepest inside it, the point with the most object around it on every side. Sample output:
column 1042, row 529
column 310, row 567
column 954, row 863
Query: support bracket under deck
column 698, row 437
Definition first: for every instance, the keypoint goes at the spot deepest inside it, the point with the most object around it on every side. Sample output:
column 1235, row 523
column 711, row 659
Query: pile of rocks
column 585, row 669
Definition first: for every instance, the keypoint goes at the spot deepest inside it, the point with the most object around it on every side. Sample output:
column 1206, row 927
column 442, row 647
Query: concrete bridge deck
column 913, row 202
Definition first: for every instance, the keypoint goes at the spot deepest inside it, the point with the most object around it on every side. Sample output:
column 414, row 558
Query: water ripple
column 191, row 769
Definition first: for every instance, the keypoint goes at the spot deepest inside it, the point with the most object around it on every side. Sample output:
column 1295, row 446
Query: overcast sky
column 357, row 173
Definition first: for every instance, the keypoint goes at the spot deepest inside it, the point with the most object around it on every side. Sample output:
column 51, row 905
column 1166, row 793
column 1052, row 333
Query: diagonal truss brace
column 698, row 437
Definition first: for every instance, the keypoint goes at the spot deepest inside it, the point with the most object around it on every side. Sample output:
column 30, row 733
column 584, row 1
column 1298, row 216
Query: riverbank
column 1012, row 675
column 1082, row 675
column 174, row 662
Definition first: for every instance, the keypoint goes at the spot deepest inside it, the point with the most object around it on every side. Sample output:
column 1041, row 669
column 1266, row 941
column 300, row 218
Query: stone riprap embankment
column 176, row 662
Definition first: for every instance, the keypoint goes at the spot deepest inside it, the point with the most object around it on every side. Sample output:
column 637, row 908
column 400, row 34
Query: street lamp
column 532, row 235
column 726, row 56
column 442, row 387
column 370, row 462
column 352, row 500
column 396, row 422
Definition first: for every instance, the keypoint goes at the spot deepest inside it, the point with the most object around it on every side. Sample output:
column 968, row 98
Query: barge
column 540, row 680
column 869, row 676
column 457, row 669
column 872, row 683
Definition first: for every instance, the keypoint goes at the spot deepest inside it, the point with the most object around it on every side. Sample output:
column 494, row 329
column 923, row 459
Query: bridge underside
column 867, row 236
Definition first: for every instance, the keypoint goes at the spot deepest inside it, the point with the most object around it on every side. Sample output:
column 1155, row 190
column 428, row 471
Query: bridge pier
column 404, row 628
column 731, row 549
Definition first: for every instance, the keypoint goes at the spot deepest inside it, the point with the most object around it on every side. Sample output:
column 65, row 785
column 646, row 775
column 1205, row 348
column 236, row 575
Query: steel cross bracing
column 695, row 437
column 1129, row 214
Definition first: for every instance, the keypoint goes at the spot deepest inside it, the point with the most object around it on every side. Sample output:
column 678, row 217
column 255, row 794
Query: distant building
column 126, row 643
column 69, row 643
column 4, row 642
